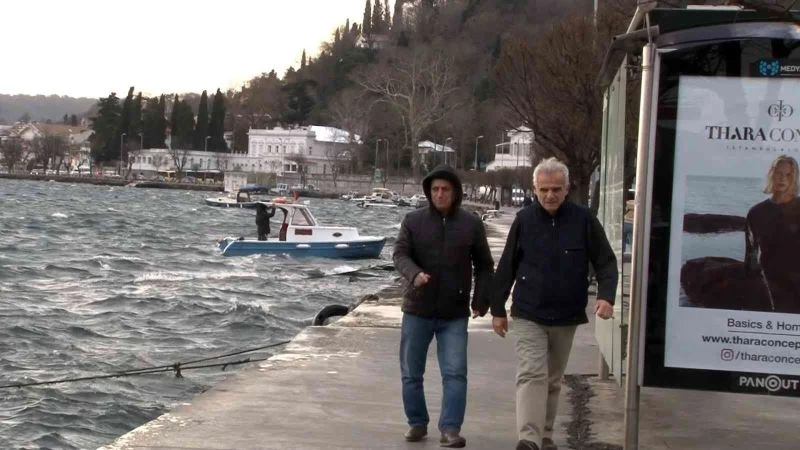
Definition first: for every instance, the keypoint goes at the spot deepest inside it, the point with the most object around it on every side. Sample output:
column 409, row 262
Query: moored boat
column 246, row 197
column 300, row 234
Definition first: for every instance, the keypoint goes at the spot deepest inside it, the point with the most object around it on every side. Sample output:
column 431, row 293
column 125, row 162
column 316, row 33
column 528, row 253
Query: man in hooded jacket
column 436, row 251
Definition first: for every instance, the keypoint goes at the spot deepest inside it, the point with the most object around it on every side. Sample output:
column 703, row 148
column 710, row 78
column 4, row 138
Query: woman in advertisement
column 772, row 247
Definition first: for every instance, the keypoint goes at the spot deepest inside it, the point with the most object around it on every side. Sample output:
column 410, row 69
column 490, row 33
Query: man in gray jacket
column 436, row 251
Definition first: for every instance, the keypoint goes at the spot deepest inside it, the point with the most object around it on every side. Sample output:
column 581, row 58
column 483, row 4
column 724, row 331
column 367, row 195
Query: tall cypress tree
column 366, row 23
column 135, row 127
column 397, row 20
column 387, row 18
column 201, row 125
column 182, row 126
column 173, row 121
column 216, row 126
column 160, row 134
column 124, row 126
column 150, row 123
column 377, row 17
column 303, row 60
column 104, row 125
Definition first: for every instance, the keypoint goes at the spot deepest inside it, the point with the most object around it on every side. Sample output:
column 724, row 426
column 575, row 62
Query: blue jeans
column 451, row 348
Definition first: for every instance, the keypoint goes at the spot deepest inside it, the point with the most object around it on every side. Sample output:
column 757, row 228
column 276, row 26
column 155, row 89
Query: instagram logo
column 726, row 354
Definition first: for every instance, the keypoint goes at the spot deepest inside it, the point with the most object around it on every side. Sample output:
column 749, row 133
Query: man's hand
column 603, row 309
column 421, row 279
column 500, row 325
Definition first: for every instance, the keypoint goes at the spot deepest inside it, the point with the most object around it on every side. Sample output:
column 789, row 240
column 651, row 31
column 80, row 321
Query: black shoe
column 451, row 439
column 525, row 444
column 416, row 433
column 548, row 444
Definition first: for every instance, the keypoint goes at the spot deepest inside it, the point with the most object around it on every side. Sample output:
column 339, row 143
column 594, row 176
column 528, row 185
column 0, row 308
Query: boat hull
column 363, row 248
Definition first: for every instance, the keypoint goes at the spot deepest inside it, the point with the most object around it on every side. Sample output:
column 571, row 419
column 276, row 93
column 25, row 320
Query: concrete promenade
column 338, row 387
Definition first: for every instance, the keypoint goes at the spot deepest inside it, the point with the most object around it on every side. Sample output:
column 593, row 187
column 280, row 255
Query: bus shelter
column 714, row 261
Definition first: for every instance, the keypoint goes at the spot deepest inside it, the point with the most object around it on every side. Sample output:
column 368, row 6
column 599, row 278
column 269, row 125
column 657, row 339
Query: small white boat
column 242, row 199
column 380, row 198
column 375, row 204
column 300, row 234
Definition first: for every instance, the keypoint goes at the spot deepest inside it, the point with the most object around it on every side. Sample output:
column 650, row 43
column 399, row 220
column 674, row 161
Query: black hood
column 444, row 172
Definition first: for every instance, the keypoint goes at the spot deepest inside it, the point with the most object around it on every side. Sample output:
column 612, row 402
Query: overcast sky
column 74, row 47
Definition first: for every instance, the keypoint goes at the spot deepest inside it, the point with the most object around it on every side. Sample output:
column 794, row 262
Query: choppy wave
column 97, row 280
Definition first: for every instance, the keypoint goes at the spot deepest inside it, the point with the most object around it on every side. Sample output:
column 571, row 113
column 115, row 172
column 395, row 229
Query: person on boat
column 435, row 252
column 772, row 237
column 263, row 214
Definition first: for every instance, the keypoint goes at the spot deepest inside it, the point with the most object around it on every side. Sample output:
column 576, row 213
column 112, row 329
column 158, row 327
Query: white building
column 517, row 152
column 316, row 149
column 279, row 150
column 433, row 153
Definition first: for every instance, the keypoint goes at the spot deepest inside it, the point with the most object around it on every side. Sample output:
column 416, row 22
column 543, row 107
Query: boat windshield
column 302, row 218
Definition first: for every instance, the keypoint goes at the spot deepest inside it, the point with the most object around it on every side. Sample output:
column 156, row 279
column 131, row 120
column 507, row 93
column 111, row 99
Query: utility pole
column 475, row 166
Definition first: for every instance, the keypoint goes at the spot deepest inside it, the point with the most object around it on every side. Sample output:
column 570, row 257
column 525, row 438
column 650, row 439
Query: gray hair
column 551, row 165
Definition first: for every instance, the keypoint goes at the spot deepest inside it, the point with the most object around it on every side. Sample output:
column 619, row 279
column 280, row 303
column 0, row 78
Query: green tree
column 397, row 20
column 154, row 123
column 201, row 126
column 104, row 142
column 299, row 101
column 387, row 16
column 377, row 18
column 73, row 120
column 366, row 22
column 303, row 60
column 182, row 125
column 135, row 126
column 216, row 126
column 120, row 153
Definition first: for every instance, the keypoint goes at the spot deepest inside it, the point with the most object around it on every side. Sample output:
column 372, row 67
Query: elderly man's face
column 551, row 190
column 442, row 195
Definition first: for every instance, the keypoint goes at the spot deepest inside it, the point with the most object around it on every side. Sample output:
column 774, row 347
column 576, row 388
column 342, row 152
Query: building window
column 269, row 149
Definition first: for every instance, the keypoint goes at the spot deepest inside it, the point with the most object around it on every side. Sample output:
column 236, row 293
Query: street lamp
column 475, row 166
column 119, row 160
column 205, row 147
column 378, row 141
column 445, row 148
column 386, row 175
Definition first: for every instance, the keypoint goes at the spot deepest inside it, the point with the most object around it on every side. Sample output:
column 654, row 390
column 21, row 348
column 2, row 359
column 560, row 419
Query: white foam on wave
column 341, row 269
column 187, row 276
column 59, row 215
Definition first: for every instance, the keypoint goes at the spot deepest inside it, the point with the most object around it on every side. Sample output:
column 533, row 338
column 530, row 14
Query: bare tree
column 302, row 166
column 50, row 150
column 179, row 160
column 564, row 111
column 13, row 152
column 339, row 155
column 420, row 84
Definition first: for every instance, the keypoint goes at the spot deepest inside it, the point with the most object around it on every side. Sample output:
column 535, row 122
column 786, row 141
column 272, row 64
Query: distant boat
column 301, row 235
column 241, row 199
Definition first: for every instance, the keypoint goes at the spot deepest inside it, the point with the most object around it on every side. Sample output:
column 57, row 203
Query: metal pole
column 376, row 159
column 638, row 260
column 445, row 148
column 475, row 165
column 119, row 160
column 386, row 174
